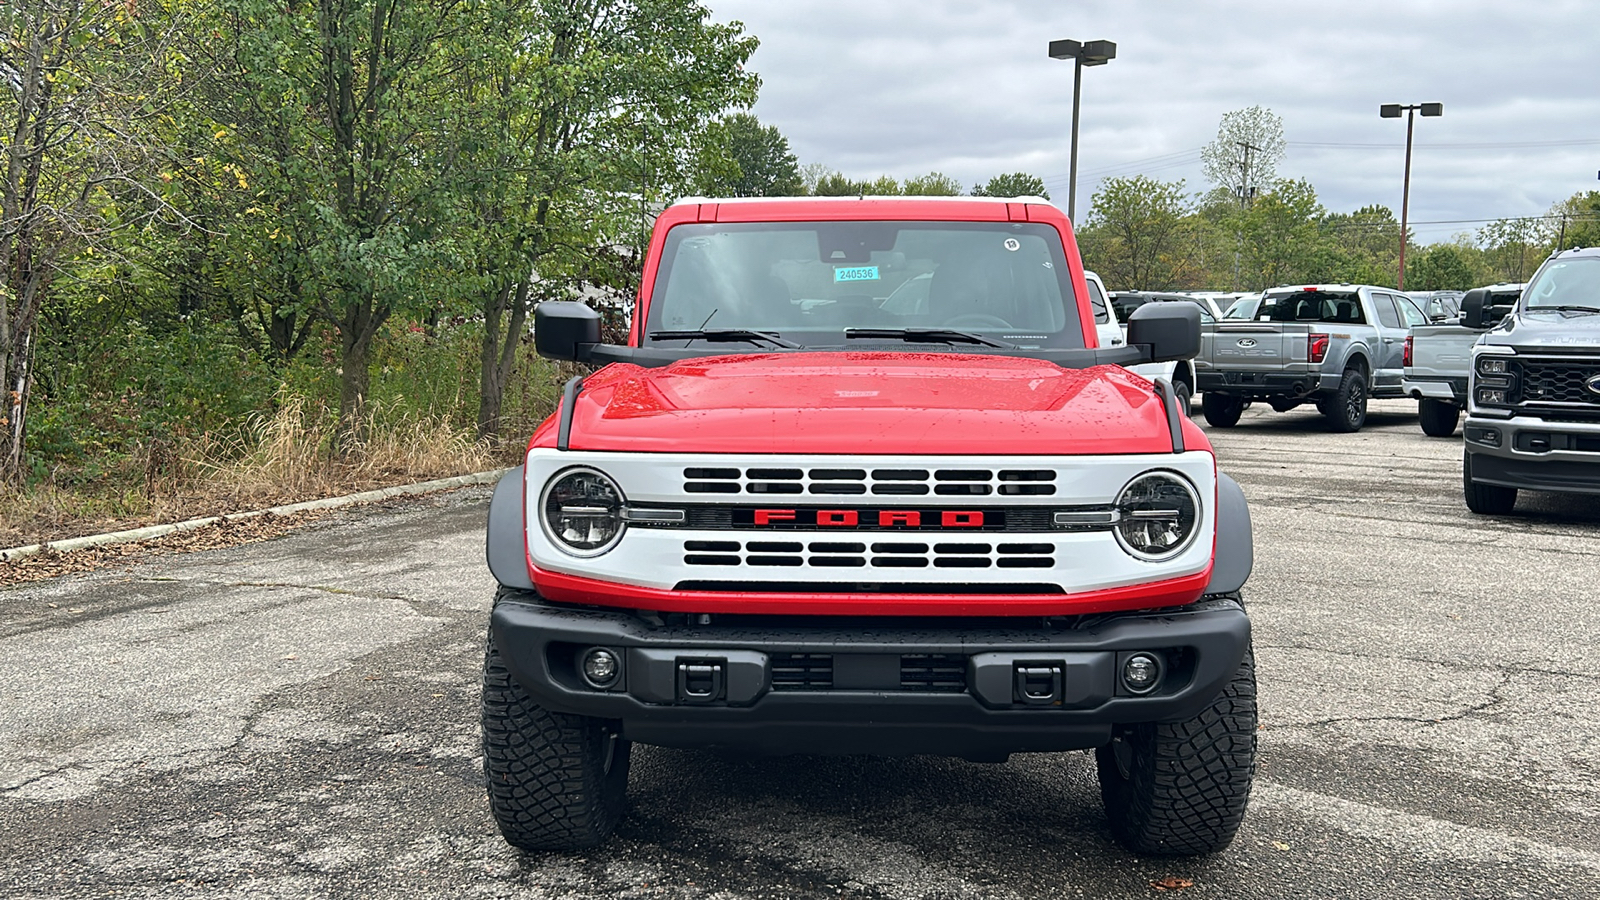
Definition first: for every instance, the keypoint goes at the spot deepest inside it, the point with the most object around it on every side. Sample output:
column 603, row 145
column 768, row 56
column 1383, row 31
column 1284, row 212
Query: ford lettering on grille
column 879, row 518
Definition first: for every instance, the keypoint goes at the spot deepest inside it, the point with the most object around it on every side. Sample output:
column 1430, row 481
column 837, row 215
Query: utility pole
column 1093, row 53
column 1247, row 195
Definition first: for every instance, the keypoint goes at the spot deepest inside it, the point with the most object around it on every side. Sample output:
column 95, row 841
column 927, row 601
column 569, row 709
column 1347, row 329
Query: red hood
column 882, row 403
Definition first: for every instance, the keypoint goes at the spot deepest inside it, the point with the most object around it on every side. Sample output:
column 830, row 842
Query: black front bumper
column 933, row 688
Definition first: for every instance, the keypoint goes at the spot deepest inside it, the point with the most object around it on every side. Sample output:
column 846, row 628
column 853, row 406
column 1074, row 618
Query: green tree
column 743, row 158
column 83, row 83
column 1364, row 246
column 1441, row 267
column 1245, row 154
column 933, row 184
column 1577, row 220
column 1282, row 237
column 834, row 184
column 1513, row 248
column 1015, row 184
column 1135, row 234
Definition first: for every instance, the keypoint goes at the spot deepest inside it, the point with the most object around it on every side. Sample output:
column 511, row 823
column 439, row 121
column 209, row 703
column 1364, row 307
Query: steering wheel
column 977, row 320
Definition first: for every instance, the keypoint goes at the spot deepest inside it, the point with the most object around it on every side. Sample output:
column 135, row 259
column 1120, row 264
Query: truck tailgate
column 1258, row 347
column 1441, row 351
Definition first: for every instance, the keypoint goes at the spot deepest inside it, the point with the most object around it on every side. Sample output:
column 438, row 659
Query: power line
column 1493, row 145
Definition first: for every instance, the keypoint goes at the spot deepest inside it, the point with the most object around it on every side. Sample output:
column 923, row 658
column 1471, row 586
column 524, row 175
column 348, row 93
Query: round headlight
column 582, row 512
column 1159, row 514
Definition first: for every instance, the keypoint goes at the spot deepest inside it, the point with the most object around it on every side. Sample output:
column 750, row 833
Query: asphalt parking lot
column 299, row 719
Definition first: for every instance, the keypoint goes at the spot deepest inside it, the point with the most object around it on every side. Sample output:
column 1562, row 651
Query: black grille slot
column 703, row 559
column 899, row 474
column 835, row 547
column 963, row 475
column 962, row 562
column 900, row 489
column 961, row 548
column 772, row 560
column 774, row 487
column 773, row 474
column 1027, row 475
column 899, row 548
column 773, row 546
column 802, row 671
column 1034, row 489
column 712, row 474
column 1031, row 549
column 963, row 490
column 838, row 474
column 710, row 517
column 712, row 546
column 944, row 673
column 838, row 562
column 711, row 487
column 1029, row 519
column 838, row 487
column 900, row 562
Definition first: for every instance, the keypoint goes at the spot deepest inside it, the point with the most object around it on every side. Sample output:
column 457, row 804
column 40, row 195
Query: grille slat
column 886, row 482
column 884, row 554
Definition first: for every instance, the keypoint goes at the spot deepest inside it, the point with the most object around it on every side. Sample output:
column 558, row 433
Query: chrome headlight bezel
column 1126, row 519
column 549, row 529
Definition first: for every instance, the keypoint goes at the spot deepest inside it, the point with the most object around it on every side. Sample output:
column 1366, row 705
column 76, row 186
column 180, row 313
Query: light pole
column 1093, row 53
column 1392, row 111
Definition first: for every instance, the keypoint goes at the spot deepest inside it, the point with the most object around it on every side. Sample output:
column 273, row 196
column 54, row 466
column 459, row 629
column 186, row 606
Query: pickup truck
column 803, row 510
column 1438, row 358
column 1533, row 390
column 1334, row 345
column 1111, row 310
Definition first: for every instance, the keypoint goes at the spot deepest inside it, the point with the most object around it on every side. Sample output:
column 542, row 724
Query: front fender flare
column 1235, row 554
column 505, row 544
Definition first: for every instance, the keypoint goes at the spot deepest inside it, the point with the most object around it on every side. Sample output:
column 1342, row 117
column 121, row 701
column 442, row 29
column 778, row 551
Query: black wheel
column 1438, row 417
column 555, row 781
column 1221, row 410
column 1181, row 789
column 1185, row 397
column 1485, row 499
column 1347, row 410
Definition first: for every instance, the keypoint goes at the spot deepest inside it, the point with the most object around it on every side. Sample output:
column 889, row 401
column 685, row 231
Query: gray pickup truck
column 1438, row 358
column 1533, row 413
column 1334, row 345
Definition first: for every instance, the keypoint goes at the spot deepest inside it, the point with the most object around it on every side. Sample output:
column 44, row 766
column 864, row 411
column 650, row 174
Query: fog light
column 1141, row 673
column 601, row 668
column 1487, row 396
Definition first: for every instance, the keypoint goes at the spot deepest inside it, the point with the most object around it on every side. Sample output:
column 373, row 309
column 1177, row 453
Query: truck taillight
column 1318, row 347
column 1405, row 359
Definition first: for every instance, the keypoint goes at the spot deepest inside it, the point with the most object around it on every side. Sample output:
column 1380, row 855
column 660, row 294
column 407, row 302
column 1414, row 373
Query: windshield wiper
column 725, row 334
column 1570, row 308
column 942, row 335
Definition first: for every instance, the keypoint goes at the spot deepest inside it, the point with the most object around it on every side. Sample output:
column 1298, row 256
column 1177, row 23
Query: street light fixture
column 1093, row 53
column 1392, row 111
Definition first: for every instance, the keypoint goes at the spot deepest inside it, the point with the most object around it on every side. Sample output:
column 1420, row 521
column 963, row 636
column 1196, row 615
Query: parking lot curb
column 155, row 531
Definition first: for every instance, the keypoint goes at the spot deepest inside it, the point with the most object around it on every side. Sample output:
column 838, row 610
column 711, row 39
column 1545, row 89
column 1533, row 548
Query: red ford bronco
column 862, row 481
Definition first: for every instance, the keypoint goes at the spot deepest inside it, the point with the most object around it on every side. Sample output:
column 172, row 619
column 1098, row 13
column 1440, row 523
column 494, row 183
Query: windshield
column 1566, row 282
column 809, row 281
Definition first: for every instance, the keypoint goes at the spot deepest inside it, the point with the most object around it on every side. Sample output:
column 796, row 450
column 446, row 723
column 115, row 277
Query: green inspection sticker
column 855, row 273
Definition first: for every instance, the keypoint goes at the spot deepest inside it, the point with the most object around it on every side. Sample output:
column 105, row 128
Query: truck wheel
column 555, row 781
column 1485, row 499
column 1222, row 410
column 1185, row 396
column 1181, row 789
column 1347, row 409
column 1438, row 417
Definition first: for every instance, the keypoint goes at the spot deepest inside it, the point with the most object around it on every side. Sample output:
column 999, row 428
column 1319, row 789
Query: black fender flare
column 1235, row 554
column 504, row 545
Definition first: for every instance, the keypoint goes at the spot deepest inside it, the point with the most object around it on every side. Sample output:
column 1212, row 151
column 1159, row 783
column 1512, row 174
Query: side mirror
column 1171, row 331
column 1476, row 308
column 563, row 328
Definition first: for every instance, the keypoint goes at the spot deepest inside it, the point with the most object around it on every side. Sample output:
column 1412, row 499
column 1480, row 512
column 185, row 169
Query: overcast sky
column 966, row 87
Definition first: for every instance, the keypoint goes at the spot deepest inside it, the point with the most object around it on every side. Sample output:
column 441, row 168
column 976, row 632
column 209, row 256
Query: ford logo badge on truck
column 1247, row 342
column 1592, row 384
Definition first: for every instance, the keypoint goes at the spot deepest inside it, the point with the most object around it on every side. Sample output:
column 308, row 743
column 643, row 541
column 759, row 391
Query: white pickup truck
column 1113, row 333
column 1439, row 357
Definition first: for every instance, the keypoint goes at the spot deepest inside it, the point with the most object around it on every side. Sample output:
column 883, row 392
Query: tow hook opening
column 701, row 680
column 1038, row 684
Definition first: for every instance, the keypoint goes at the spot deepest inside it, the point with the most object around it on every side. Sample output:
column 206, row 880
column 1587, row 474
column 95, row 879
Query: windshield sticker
column 855, row 273
column 1013, row 244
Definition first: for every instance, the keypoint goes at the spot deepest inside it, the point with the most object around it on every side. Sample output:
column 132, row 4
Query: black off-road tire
column 1438, row 417
column 555, row 781
column 1185, row 396
column 1485, row 499
column 1221, row 410
column 1347, row 409
column 1181, row 789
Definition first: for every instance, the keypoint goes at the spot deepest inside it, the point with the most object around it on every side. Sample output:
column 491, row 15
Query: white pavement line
column 1419, row 834
column 155, row 531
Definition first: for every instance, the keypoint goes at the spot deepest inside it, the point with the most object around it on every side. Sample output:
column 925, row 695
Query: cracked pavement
column 299, row 719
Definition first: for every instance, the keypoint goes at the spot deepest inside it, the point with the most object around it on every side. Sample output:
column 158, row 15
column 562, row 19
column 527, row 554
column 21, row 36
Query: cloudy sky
column 966, row 87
